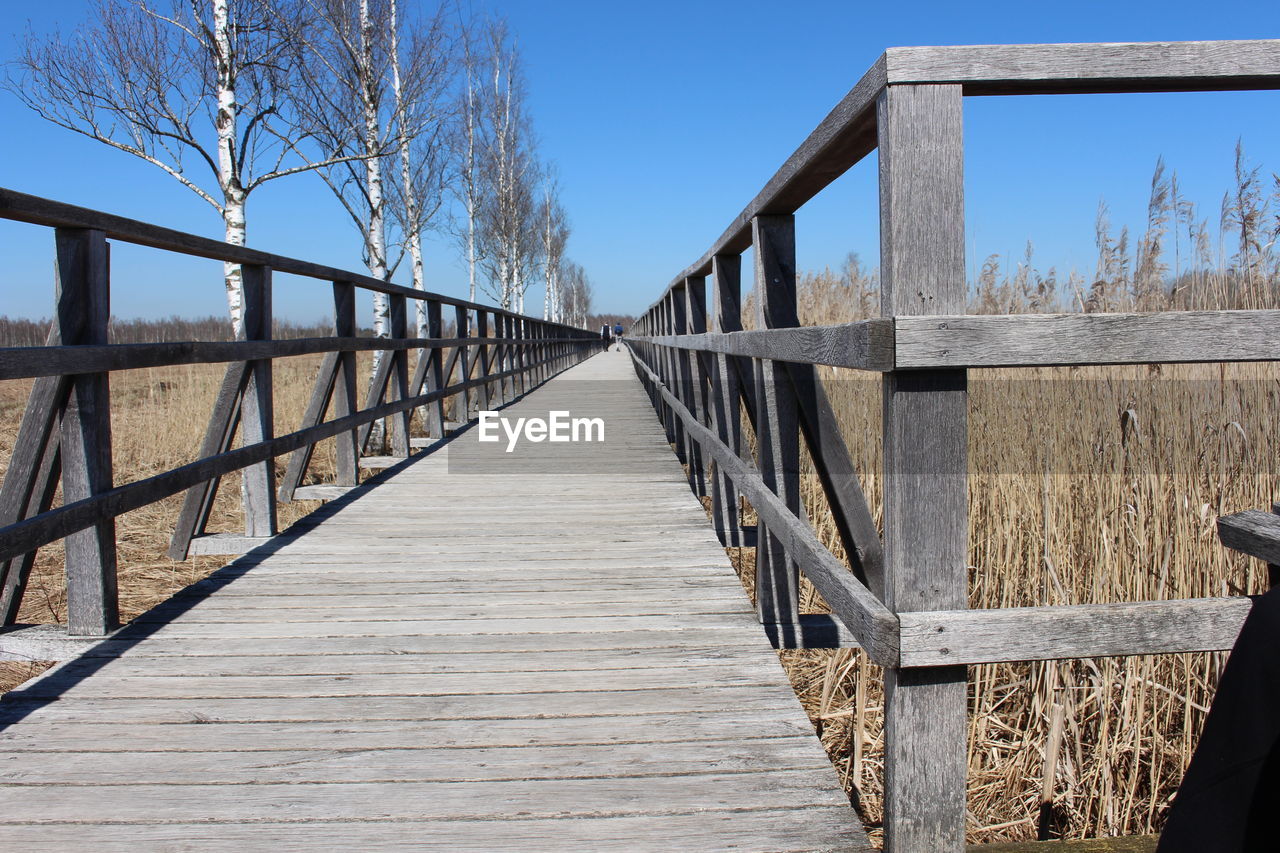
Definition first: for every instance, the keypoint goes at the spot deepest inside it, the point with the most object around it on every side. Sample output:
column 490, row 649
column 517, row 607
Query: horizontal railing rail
column 904, row 596
column 491, row 356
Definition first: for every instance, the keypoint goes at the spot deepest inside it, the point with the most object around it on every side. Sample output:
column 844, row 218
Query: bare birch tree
column 498, row 172
column 553, row 234
column 192, row 85
column 575, row 295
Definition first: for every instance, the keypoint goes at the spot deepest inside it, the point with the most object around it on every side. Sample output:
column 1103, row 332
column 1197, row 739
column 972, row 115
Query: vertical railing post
column 925, row 477
column 691, row 317
column 482, row 331
column 522, row 354
column 84, row 309
column 398, row 389
column 462, row 319
column 257, row 414
column 344, row 387
column 777, row 423
column 726, row 287
column 671, row 375
column 435, row 379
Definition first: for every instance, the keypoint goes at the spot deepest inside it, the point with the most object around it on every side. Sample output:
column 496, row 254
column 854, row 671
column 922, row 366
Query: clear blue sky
column 665, row 118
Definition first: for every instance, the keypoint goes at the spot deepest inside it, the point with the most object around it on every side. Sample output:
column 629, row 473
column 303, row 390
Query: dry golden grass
column 1087, row 485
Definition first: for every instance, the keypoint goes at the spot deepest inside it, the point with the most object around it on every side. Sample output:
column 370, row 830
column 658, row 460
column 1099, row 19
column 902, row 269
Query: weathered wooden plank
column 374, row 597
column 726, row 420
column 42, row 642
column 326, row 378
column 740, row 623
column 398, row 380
column 571, row 704
column 1080, row 68
column 84, row 310
column 1027, row 340
column 345, row 395
column 549, row 798
column 459, row 644
column 434, row 372
column 37, row 735
column 938, row 638
column 31, row 478
column 257, row 409
column 184, row 614
column 693, row 658
column 27, row 362
column 777, row 418
column 103, row 686
column 925, row 437
column 686, row 380
column 327, row 763
column 218, row 438
column 823, row 828
column 866, row 345
column 1253, row 532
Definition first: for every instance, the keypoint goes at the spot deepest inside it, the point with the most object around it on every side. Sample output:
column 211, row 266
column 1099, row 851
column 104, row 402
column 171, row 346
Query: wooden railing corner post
column 925, row 436
column 777, row 423
column 257, row 419
column 345, row 393
column 83, row 312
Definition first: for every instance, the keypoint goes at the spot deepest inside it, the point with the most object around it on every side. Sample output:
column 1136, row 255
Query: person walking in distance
column 617, row 334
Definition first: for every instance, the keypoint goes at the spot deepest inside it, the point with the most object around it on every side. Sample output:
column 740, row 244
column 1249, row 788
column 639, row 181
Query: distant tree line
column 21, row 332
column 415, row 116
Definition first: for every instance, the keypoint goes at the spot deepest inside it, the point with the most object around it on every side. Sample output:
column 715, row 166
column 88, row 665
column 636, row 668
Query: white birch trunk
column 234, row 196
column 375, row 233
column 413, row 210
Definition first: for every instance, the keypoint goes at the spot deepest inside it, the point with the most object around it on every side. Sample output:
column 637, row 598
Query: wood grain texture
column 1082, row 68
column 1254, row 532
column 26, row 362
column 32, row 476
column 378, row 673
column 84, row 310
column 218, row 437
column 1027, row 340
column 257, row 407
column 777, row 417
column 865, row 345
column 321, row 393
column 925, row 463
column 938, row 638
column 725, row 396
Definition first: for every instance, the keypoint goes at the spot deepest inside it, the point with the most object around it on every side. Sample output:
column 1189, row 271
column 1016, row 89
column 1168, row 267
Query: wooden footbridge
column 548, row 648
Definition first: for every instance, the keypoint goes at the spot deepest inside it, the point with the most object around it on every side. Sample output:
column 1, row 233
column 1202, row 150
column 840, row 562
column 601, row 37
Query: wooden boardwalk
column 552, row 653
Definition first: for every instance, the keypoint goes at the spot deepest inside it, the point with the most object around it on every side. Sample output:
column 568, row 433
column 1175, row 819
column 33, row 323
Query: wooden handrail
column 22, row 207
column 30, row 362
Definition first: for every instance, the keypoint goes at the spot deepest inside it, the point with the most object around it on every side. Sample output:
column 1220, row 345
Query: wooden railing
column 66, row 429
column 905, row 599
